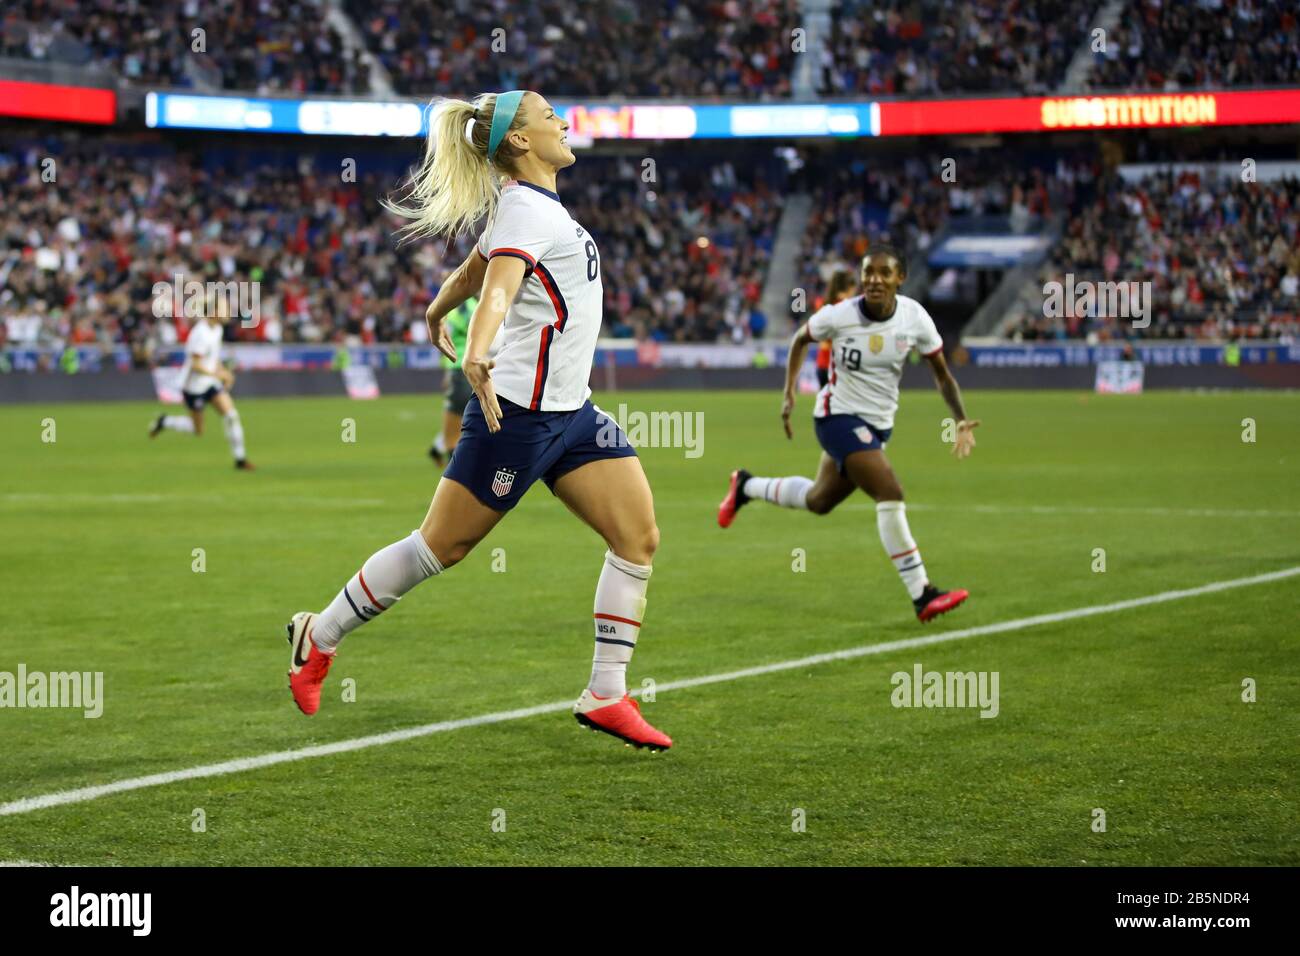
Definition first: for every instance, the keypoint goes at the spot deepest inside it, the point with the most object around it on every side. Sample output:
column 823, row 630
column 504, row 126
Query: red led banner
column 78, row 104
column 1123, row 111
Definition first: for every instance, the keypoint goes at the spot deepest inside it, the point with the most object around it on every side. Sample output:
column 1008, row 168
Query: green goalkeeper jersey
column 457, row 323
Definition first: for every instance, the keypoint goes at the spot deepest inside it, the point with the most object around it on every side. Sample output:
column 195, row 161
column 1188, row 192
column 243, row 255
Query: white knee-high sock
column 620, row 606
column 791, row 492
column 896, row 536
column 179, row 423
column 234, row 434
column 383, row 579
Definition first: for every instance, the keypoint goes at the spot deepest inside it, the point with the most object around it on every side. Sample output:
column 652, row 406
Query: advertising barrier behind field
column 612, row 119
column 623, row 354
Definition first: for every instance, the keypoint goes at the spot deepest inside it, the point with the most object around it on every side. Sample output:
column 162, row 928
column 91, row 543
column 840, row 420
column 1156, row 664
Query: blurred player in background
column 457, row 389
column 205, row 381
column 531, row 416
column 871, row 335
column 840, row 288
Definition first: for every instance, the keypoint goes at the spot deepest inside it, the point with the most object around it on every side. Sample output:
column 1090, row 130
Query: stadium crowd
column 683, row 259
column 906, row 47
column 259, row 45
column 907, row 202
column 697, row 48
column 1223, row 258
column 1201, row 43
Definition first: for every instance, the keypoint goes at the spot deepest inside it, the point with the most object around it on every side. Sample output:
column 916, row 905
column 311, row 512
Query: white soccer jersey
column 867, row 357
column 549, row 335
column 203, row 344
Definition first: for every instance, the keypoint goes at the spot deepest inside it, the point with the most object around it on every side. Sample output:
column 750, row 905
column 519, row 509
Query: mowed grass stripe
column 83, row 794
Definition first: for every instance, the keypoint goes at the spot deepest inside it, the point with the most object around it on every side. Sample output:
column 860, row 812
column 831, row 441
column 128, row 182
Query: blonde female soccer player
column 531, row 416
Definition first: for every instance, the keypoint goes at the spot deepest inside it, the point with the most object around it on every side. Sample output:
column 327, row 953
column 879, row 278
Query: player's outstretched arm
column 947, row 386
column 793, row 363
column 460, row 285
column 500, row 284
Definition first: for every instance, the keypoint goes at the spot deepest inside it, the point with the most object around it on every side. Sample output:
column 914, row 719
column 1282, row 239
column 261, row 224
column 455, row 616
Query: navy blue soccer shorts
column 195, row 401
column 499, row 468
column 842, row 435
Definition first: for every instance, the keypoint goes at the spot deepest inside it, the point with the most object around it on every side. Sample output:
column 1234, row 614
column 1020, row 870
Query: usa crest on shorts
column 505, row 477
column 864, row 434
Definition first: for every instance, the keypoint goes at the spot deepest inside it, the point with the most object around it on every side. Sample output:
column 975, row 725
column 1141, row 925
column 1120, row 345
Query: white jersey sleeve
column 820, row 326
column 516, row 230
column 928, row 340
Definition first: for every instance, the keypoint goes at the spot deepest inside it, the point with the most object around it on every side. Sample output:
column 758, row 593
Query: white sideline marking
column 28, row 804
column 20, row 863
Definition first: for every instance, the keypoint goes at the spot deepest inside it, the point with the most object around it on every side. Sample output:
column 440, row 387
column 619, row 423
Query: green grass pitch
column 1138, row 713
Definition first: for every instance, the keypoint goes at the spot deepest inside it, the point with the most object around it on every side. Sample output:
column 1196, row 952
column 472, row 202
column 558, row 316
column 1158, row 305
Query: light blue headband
column 503, row 114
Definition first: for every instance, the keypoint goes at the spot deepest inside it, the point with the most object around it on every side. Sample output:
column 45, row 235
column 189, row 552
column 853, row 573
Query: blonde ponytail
column 455, row 185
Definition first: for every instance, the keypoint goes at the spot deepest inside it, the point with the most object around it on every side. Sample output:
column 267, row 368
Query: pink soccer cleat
column 735, row 498
column 308, row 664
column 619, row 718
column 934, row 602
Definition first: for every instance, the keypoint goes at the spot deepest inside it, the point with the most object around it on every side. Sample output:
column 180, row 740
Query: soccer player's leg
column 459, row 518
column 458, row 393
column 234, row 428
column 819, row 495
column 455, row 523
column 175, row 423
column 612, row 496
column 830, row 487
column 871, row 471
column 189, row 424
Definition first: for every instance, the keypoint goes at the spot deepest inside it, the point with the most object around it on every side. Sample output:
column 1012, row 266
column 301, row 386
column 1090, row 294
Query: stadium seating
column 703, row 49
column 683, row 259
column 910, row 48
column 696, row 47
column 905, row 202
column 254, row 45
column 1223, row 258
column 699, row 48
column 1166, row 46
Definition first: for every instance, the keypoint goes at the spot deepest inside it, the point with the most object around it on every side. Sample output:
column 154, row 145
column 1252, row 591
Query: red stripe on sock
column 895, row 557
column 362, row 578
column 776, row 492
column 621, row 620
